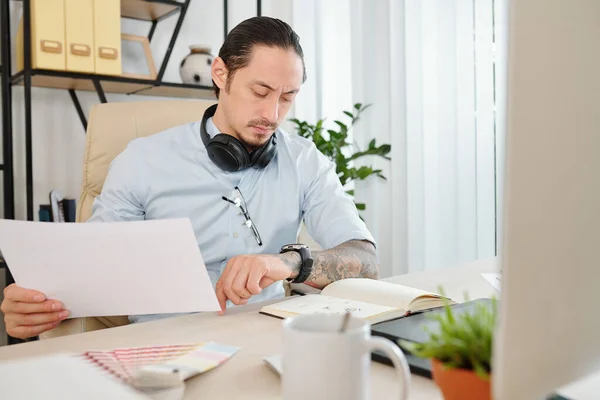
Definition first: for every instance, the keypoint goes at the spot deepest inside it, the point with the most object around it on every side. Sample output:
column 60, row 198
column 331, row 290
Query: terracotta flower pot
column 460, row 384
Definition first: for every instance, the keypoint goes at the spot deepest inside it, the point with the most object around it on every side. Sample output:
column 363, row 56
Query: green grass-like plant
column 464, row 340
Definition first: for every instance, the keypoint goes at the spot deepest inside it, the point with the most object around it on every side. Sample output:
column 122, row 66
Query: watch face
column 295, row 246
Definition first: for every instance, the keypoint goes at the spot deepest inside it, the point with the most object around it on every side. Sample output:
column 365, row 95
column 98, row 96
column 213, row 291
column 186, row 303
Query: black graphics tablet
column 411, row 328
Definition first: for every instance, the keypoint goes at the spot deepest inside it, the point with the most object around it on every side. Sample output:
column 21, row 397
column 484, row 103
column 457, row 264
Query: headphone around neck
column 229, row 153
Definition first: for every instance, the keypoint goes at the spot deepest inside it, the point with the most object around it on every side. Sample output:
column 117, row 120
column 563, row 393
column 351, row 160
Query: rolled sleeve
column 120, row 199
column 330, row 215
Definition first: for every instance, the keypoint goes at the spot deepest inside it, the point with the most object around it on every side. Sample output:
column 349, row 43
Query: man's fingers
column 264, row 282
column 240, row 283
column 221, row 297
column 240, row 280
column 231, row 295
column 16, row 320
column 47, row 306
column 24, row 332
column 227, row 279
column 16, row 293
column 256, row 274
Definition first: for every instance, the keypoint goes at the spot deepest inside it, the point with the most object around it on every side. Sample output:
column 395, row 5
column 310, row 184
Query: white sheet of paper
column 110, row 268
column 61, row 376
column 494, row 280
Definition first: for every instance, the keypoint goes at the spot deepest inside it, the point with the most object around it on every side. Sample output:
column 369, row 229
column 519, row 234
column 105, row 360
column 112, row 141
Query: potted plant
column 333, row 143
column 460, row 352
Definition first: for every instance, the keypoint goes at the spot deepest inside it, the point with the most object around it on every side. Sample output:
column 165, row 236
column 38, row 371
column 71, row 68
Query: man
column 245, row 184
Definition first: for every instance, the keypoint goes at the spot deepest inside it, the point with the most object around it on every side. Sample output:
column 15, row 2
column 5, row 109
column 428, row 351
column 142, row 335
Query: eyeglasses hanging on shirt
column 240, row 203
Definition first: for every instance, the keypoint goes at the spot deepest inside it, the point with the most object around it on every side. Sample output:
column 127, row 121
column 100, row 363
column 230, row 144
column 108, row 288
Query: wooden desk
column 246, row 375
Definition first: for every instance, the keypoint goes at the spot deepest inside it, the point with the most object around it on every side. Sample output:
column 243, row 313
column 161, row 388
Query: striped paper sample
column 190, row 359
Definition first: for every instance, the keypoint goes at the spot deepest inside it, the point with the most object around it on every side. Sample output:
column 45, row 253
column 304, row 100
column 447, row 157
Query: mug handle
column 394, row 353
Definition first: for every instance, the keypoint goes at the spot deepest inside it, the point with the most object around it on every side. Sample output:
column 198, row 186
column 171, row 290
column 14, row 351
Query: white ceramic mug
column 320, row 362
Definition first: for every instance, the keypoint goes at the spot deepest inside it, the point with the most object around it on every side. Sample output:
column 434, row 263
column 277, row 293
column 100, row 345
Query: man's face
column 259, row 95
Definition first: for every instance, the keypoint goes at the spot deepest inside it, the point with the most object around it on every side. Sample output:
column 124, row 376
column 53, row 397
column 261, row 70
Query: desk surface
column 258, row 336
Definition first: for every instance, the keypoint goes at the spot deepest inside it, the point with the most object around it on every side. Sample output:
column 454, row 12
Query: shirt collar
column 211, row 128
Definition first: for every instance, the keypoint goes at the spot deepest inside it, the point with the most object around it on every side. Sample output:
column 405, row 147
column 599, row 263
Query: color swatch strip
column 189, row 359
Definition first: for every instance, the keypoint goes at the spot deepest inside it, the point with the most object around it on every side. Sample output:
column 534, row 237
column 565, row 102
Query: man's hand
column 28, row 313
column 247, row 275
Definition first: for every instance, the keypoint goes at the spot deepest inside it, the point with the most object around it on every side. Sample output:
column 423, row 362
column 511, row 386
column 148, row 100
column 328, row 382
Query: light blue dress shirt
column 169, row 175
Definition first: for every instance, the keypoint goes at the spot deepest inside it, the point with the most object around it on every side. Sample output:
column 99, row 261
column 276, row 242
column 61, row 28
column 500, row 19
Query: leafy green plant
column 333, row 143
column 463, row 341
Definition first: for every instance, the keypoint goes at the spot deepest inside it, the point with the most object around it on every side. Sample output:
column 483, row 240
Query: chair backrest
column 111, row 126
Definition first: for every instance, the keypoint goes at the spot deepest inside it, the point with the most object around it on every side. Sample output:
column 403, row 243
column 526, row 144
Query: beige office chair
column 110, row 128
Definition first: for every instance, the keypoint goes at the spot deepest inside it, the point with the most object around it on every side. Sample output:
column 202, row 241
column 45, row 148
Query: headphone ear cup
column 228, row 153
column 261, row 157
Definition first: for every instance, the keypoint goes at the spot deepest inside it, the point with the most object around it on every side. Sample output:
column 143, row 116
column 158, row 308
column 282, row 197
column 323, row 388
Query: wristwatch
column 306, row 262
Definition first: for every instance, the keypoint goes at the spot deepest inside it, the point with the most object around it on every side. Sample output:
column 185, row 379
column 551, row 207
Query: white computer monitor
column 549, row 326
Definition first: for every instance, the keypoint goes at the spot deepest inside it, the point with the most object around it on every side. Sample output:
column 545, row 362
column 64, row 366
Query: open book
column 373, row 300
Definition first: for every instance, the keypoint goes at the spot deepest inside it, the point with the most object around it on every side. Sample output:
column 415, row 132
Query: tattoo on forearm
column 292, row 260
column 352, row 259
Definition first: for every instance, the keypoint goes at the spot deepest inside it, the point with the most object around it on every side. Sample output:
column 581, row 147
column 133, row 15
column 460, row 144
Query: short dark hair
column 256, row 31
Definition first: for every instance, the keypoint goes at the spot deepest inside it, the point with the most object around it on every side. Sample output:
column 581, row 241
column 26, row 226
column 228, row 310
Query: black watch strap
column 306, row 261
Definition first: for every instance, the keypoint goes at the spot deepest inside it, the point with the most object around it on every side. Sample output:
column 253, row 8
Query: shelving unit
column 148, row 11
column 152, row 11
column 110, row 84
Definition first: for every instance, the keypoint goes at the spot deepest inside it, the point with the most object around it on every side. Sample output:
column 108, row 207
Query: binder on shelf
column 61, row 209
column 47, row 36
column 79, row 20
column 107, row 37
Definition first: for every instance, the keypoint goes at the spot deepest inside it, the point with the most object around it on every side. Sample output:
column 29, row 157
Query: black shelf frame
column 8, row 185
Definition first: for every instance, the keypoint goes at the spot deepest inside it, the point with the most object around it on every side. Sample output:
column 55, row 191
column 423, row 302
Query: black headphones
column 230, row 154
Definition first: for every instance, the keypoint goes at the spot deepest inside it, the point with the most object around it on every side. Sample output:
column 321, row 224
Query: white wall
column 426, row 66
column 58, row 135
column 371, row 83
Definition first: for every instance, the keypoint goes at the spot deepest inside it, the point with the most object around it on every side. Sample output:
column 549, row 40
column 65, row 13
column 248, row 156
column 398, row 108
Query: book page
column 374, row 291
column 318, row 303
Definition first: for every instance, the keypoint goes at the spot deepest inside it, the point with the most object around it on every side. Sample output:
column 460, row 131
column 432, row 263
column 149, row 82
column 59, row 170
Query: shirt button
column 235, row 235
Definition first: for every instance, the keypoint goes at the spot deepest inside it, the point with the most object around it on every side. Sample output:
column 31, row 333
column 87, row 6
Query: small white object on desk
column 153, row 377
column 274, row 362
column 159, row 383
column 494, row 280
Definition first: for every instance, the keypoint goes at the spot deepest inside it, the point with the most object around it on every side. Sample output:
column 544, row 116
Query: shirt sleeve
column 330, row 214
column 121, row 195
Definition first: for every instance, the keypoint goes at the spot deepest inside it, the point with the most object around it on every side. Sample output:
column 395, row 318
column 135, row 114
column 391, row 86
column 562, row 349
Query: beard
column 253, row 140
